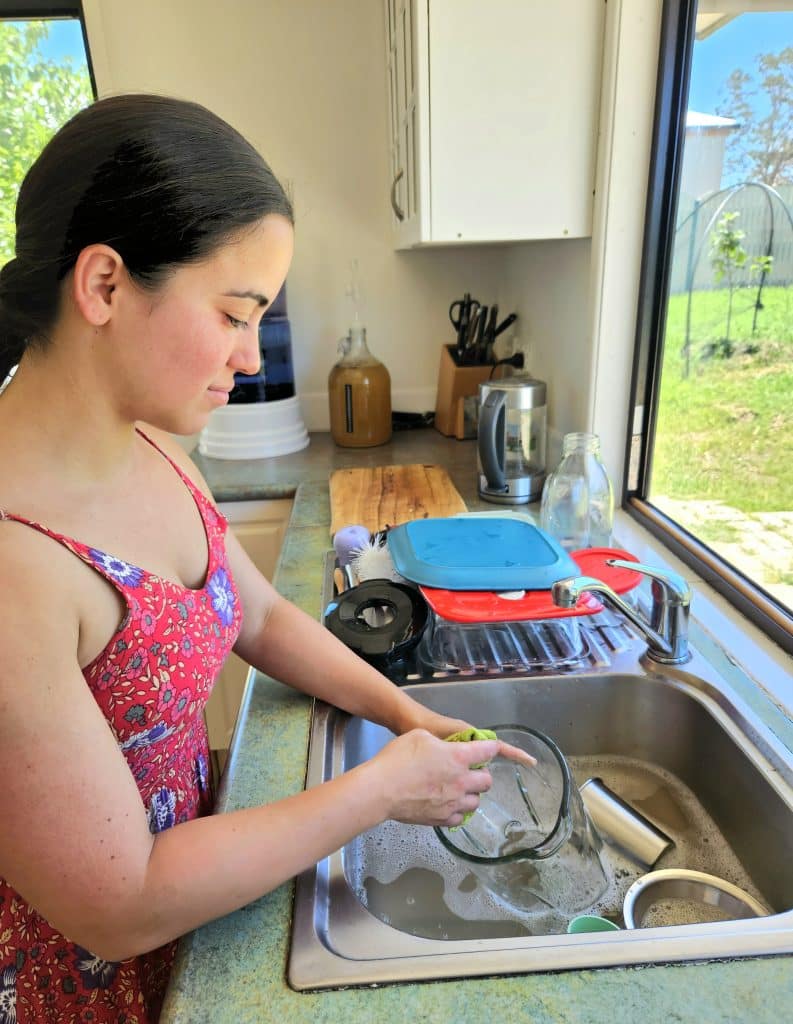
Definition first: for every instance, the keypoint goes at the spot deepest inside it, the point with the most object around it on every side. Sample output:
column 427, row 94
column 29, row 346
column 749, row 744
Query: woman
column 150, row 239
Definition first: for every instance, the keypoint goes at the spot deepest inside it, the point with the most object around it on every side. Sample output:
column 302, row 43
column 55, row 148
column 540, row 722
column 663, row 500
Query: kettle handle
column 491, row 428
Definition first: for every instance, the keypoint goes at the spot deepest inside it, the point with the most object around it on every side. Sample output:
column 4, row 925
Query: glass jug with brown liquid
column 359, row 392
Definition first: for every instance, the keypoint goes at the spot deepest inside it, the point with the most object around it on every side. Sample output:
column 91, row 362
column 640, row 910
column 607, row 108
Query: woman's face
column 184, row 343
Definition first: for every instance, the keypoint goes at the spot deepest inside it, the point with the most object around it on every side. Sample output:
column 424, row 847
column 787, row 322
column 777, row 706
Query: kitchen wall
column 548, row 284
column 305, row 81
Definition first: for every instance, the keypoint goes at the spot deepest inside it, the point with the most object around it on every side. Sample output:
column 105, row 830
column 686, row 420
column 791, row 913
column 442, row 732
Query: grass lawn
column 725, row 433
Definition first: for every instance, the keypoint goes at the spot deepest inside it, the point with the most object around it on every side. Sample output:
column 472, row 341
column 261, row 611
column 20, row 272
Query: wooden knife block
column 455, row 383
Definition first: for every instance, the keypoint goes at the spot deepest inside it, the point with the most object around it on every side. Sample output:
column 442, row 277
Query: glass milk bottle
column 578, row 500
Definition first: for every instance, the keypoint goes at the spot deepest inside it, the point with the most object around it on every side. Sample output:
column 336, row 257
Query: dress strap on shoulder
column 118, row 572
column 12, row 517
column 194, row 489
column 166, row 456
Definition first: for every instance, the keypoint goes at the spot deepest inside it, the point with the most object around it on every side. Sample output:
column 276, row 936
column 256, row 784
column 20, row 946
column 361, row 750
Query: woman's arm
column 281, row 640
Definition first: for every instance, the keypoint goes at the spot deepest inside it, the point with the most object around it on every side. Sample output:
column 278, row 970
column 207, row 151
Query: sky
column 734, row 46
column 65, row 40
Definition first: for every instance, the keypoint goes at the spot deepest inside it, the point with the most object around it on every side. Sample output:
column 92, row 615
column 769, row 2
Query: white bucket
column 256, row 430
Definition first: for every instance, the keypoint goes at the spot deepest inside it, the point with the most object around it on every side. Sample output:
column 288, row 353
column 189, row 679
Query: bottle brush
column 373, row 562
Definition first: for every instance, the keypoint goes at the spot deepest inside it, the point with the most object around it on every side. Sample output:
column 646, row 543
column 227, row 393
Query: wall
column 547, row 284
column 306, row 83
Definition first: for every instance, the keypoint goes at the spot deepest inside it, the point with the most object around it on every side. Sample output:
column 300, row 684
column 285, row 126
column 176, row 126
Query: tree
column 761, row 148
column 37, row 96
column 727, row 255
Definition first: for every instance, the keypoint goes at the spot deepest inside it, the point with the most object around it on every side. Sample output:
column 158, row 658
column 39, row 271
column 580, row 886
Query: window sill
column 716, row 624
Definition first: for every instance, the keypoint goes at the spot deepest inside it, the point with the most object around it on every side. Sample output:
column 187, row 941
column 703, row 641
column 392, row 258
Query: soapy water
column 678, row 911
column 407, row 878
column 676, row 810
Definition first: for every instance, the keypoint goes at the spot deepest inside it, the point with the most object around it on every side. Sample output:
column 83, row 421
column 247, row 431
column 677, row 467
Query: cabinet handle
column 400, row 214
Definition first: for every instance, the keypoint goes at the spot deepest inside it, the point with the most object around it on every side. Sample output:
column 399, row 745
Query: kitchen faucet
column 667, row 631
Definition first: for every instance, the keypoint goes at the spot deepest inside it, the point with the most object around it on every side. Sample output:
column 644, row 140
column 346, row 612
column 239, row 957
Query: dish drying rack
column 453, row 650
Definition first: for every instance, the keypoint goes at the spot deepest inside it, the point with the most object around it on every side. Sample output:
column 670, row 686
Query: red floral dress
column 151, row 681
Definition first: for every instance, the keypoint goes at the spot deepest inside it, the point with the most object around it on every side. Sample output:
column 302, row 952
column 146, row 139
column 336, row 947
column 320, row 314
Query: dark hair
column 165, row 182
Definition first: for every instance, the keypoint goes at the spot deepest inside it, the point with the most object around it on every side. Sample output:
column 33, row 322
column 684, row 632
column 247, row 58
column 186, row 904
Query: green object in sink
column 467, row 736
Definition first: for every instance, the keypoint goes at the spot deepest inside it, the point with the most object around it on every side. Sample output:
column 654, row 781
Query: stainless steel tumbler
column 623, row 825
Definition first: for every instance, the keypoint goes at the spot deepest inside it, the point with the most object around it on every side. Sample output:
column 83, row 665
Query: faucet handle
column 675, row 589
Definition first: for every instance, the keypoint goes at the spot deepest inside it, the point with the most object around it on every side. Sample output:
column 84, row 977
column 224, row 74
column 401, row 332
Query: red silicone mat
column 532, row 605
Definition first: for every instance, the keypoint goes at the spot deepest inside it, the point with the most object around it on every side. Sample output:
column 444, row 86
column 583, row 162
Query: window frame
column 29, row 10
column 678, row 24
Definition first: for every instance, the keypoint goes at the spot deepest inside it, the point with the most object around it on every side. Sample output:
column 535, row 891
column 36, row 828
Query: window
column 45, row 78
column 710, row 460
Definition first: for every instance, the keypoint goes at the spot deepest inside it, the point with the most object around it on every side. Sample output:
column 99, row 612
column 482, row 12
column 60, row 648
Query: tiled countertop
column 233, row 970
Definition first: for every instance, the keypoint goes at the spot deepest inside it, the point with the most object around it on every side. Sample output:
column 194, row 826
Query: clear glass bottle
column 359, row 392
column 577, row 506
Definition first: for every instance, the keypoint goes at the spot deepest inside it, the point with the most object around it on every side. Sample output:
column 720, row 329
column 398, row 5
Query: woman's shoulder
column 42, row 585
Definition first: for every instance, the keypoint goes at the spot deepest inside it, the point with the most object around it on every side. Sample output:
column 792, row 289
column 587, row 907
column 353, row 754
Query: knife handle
column 507, row 322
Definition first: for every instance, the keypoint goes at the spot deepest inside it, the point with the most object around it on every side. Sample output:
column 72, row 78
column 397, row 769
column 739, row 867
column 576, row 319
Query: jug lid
column 522, row 392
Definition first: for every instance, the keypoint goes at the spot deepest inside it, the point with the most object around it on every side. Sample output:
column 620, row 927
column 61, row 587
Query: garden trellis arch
column 721, row 201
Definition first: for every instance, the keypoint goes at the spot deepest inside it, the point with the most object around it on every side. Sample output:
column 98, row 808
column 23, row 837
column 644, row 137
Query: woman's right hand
column 426, row 781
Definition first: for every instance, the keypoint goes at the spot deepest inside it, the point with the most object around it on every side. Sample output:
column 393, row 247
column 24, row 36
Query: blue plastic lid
column 487, row 553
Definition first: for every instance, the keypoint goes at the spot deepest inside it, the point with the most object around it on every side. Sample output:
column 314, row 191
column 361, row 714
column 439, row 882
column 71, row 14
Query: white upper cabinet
column 493, row 116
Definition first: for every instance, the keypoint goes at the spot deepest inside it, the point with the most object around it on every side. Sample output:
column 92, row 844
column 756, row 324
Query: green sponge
column 466, row 736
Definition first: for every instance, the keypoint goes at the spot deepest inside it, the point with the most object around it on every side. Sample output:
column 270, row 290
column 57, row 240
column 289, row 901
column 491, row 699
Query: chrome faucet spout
column 667, row 631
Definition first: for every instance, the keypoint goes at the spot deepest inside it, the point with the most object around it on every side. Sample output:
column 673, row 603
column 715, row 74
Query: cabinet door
column 514, row 100
column 260, row 527
column 406, row 59
column 493, row 118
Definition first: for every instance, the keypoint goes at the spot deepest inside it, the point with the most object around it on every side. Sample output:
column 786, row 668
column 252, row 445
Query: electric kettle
column 511, row 440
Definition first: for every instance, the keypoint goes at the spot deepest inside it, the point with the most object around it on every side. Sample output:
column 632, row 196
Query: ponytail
column 24, row 306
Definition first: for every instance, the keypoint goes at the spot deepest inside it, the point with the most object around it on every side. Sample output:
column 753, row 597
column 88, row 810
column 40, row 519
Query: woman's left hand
column 420, row 717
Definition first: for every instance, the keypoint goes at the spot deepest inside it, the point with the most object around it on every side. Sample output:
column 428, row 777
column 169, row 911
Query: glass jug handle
column 491, row 430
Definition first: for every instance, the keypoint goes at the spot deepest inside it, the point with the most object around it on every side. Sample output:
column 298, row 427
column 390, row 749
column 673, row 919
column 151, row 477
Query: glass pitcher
column 531, row 842
column 577, row 506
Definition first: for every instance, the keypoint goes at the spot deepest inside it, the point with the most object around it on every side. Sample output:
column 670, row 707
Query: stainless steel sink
column 393, row 905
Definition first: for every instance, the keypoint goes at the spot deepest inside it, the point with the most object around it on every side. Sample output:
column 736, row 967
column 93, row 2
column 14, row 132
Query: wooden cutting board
column 382, row 496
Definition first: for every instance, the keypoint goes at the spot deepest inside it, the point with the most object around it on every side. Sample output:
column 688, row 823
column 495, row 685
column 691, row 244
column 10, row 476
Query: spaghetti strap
column 197, row 493
column 116, row 570
column 12, row 517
